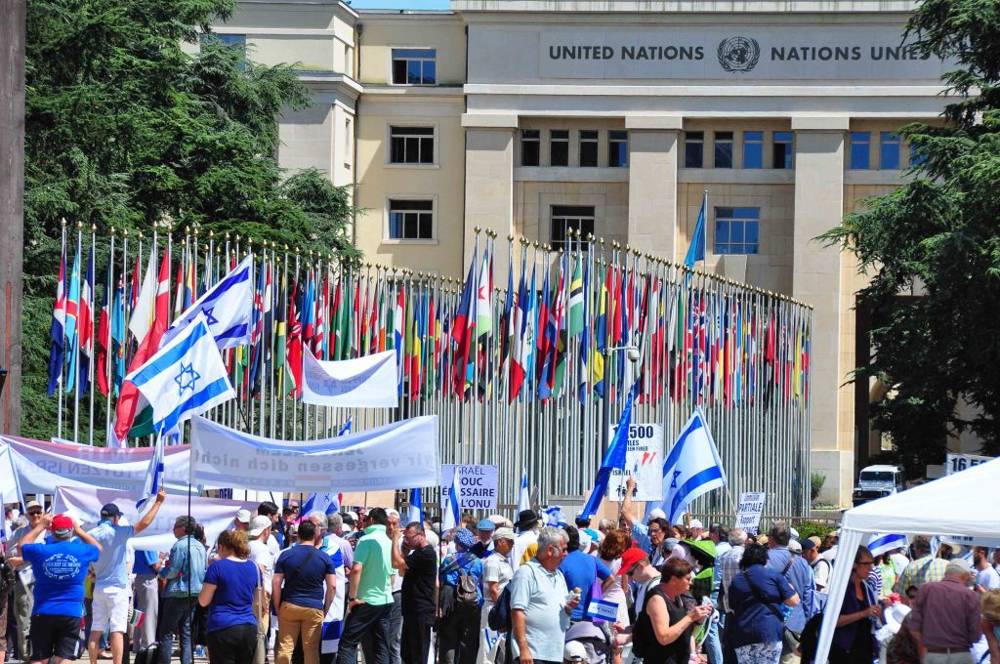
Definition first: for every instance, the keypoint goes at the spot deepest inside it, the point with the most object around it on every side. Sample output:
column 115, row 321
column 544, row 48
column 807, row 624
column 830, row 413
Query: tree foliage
column 937, row 237
column 129, row 122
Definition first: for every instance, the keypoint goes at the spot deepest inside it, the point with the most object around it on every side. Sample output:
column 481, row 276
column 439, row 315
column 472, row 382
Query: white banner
column 476, row 485
column 215, row 514
column 365, row 382
column 400, row 455
column 956, row 463
column 643, row 461
column 749, row 511
column 42, row 466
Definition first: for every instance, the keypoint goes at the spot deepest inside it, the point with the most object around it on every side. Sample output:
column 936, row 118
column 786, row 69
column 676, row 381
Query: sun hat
column 526, row 520
column 243, row 516
column 504, row 534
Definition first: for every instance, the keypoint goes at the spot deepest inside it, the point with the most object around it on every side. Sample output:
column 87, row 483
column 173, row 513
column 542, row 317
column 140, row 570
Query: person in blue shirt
column 184, row 573
column 228, row 593
column 758, row 596
column 111, row 585
column 459, row 632
column 60, row 567
column 799, row 574
column 581, row 571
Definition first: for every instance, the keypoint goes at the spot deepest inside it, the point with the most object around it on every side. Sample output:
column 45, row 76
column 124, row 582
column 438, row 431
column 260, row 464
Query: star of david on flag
column 184, row 378
column 226, row 309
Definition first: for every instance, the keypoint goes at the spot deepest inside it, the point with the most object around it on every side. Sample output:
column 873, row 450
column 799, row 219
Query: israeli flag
column 451, row 516
column 554, row 516
column 325, row 502
column 692, row 468
column 614, row 458
column 346, row 429
column 226, row 307
column 184, row 378
column 524, row 500
column 416, row 507
column 882, row 543
column 154, row 475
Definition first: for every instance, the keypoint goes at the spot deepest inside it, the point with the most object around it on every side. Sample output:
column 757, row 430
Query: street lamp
column 633, row 355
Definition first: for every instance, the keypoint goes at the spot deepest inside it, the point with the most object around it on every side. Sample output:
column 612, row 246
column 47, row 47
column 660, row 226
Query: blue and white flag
column 326, row 502
column 184, row 378
column 416, row 513
column 346, row 429
column 524, row 499
column 882, row 543
column 227, row 308
column 451, row 516
column 696, row 250
column 692, row 468
column 554, row 516
column 154, row 475
column 364, row 382
column 614, row 458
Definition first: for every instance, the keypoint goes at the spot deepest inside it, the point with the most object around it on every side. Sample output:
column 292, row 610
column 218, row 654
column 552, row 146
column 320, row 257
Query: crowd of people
column 282, row 587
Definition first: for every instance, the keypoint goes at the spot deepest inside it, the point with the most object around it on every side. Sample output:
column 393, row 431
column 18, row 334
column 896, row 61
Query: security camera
column 633, row 355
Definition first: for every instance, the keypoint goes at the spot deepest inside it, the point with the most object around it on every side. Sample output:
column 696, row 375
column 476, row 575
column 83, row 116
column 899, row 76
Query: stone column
column 489, row 184
column 652, row 183
column 816, row 280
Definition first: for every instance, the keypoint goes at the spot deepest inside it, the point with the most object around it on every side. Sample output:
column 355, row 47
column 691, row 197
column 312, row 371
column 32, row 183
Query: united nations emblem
column 739, row 53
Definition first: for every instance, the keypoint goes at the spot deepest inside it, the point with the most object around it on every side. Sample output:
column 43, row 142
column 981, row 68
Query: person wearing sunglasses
column 854, row 639
column 24, row 584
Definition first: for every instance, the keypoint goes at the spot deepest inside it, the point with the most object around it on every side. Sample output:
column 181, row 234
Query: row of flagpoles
column 524, row 376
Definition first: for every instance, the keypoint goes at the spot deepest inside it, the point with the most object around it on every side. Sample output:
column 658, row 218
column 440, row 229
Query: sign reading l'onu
column 740, row 52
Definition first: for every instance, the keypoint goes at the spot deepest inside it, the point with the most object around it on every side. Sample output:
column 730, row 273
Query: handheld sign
column 476, row 484
column 643, row 461
column 750, row 509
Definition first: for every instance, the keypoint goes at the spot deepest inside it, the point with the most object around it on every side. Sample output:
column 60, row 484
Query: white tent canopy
column 944, row 506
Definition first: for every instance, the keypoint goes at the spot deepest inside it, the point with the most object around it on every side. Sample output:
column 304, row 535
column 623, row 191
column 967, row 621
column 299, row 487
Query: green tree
column 128, row 123
column 938, row 237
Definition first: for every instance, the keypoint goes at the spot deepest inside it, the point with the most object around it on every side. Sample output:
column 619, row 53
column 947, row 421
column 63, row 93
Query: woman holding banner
column 228, row 593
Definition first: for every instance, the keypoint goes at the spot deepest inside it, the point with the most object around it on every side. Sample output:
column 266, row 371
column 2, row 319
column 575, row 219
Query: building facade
column 618, row 118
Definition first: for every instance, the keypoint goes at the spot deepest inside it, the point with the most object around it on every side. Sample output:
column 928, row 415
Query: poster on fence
column 956, row 463
column 643, row 461
column 749, row 511
column 477, row 486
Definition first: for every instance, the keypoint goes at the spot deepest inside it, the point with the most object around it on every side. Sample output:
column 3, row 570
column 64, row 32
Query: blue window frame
column 915, row 157
column 753, row 149
column 888, row 151
column 737, row 230
column 782, row 150
column 414, row 66
column 860, row 150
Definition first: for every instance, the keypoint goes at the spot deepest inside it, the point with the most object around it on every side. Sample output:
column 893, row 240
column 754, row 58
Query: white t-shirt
column 988, row 578
column 821, row 573
column 521, row 544
column 260, row 553
column 495, row 568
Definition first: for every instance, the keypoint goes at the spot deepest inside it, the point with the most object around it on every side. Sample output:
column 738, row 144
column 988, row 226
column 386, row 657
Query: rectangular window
column 888, row 151
column 588, row 147
column 617, row 148
column 576, row 217
column 737, row 230
column 411, row 145
column 559, row 147
column 723, row 149
column 531, row 142
column 414, row 66
column 694, row 149
column 782, row 149
column 411, row 220
column 753, row 149
column 916, row 159
column 348, row 141
column 860, row 152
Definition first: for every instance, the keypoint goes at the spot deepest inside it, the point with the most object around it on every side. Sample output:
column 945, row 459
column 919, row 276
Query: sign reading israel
column 735, row 52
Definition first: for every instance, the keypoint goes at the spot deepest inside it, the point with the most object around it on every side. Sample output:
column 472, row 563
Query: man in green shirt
column 369, row 605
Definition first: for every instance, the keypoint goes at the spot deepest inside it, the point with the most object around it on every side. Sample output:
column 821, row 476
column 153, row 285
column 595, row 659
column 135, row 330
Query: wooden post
column 11, row 206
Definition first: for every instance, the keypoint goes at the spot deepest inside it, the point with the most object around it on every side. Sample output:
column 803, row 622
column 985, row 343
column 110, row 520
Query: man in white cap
column 260, row 553
column 696, row 529
column 25, row 581
column 242, row 520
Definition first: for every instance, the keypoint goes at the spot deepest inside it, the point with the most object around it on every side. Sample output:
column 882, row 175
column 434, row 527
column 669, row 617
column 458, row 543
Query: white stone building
column 614, row 116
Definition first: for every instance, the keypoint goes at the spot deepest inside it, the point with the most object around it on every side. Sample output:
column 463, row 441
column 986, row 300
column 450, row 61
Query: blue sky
column 399, row 4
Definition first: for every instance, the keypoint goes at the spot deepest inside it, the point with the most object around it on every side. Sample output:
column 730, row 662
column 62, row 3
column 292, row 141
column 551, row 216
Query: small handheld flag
column 416, row 513
column 524, row 500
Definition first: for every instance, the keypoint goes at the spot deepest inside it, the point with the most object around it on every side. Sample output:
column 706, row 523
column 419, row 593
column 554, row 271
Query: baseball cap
column 574, row 652
column 656, row 513
column 110, row 511
column 259, row 525
column 486, row 526
column 794, row 546
column 32, row 504
column 807, row 544
column 630, row 557
column 243, row 516
column 61, row 522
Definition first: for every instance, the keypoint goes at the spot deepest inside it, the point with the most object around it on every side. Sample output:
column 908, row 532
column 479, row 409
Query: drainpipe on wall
column 357, row 121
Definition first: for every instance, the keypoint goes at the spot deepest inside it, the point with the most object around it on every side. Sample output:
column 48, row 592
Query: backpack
column 499, row 619
column 466, row 591
column 6, row 577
